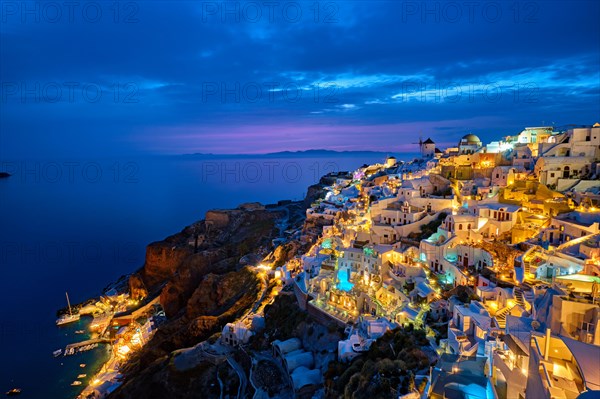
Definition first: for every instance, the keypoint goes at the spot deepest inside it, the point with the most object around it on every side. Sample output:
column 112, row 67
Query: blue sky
column 251, row 77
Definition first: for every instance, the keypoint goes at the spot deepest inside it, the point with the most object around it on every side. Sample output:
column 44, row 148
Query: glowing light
column 123, row 350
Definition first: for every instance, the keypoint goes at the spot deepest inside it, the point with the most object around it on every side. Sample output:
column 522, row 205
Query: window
column 460, row 226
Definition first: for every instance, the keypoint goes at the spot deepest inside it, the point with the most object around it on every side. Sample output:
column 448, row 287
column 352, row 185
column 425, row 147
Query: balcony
column 559, row 374
column 461, row 343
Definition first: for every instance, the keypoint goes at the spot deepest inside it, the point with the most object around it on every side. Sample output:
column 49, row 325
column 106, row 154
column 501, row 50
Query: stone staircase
column 501, row 316
column 518, row 292
column 527, row 269
column 524, row 297
column 529, row 297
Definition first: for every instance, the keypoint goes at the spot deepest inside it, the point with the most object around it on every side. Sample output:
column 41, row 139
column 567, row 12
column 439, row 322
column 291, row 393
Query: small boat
column 14, row 391
column 82, row 365
column 75, row 383
column 67, row 318
column 79, row 332
column 82, row 376
column 57, row 352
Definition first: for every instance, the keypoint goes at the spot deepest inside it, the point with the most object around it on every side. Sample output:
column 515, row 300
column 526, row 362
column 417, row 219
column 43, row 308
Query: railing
column 546, row 381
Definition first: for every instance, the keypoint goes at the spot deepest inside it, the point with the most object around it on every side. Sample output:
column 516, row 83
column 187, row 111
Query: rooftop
column 470, row 139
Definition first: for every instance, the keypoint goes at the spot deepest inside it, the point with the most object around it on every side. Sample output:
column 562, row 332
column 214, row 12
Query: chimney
column 547, row 344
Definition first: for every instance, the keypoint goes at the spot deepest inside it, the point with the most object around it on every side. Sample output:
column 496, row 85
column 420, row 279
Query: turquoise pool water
column 343, row 283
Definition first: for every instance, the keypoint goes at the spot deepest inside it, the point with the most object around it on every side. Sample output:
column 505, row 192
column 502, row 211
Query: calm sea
column 77, row 225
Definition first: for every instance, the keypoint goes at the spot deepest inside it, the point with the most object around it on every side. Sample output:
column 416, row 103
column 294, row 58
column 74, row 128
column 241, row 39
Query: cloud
column 341, row 66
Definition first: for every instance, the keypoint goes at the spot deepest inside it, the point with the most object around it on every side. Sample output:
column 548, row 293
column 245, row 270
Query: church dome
column 470, row 139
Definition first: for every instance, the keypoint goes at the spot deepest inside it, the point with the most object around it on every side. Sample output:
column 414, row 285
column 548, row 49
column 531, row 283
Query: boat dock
column 101, row 322
column 127, row 317
column 83, row 346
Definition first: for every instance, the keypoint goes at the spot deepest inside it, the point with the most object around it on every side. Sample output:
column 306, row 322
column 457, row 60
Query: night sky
column 153, row 77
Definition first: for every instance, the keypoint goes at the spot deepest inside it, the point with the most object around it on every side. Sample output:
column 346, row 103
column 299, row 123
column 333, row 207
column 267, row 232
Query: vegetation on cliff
column 387, row 370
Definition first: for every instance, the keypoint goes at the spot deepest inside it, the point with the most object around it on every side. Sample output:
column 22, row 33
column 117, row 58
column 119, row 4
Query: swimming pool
column 343, row 283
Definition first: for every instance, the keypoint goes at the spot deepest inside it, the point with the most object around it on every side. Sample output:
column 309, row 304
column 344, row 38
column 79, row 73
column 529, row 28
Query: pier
column 78, row 347
column 127, row 317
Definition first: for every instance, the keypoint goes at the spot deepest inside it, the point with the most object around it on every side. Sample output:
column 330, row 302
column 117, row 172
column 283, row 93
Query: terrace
column 557, row 368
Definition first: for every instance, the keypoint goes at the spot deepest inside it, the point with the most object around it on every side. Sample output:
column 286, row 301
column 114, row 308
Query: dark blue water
column 77, row 225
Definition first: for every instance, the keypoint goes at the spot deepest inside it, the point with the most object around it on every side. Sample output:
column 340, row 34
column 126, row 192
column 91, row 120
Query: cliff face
column 201, row 276
column 218, row 218
column 163, row 258
column 203, row 284
column 181, row 286
column 176, row 265
column 222, row 294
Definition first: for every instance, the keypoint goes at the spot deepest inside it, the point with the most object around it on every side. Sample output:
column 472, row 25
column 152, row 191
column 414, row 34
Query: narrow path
column 257, row 304
column 241, row 375
column 220, row 385
column 258, row 392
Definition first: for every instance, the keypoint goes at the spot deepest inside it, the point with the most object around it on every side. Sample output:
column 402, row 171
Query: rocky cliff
column 204, row 282
column 201, row 276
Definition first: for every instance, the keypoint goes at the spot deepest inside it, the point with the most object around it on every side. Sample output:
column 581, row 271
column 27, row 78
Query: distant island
column 305, row 153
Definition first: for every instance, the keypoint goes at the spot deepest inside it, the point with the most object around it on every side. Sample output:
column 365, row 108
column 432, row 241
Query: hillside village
column 493, row 250
column 470, row 272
